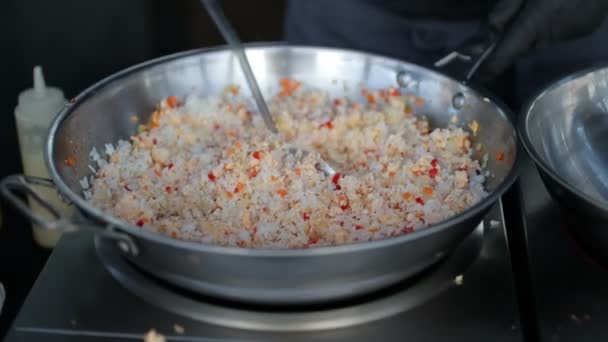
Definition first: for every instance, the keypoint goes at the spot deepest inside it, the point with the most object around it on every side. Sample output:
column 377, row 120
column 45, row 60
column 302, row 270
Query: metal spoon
column 220, row 20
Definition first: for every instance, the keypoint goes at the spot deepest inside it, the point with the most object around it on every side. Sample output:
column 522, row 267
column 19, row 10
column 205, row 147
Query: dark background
column 78, row 43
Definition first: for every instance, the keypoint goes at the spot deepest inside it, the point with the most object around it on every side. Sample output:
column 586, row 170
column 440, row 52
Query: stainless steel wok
column 101, row 114
column 565, row 130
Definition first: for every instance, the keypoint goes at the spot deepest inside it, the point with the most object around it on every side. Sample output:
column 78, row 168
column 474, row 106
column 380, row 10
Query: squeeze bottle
column 36, row 109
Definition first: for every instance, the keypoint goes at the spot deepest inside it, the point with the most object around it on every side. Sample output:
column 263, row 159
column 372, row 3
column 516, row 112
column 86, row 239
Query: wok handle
column 13, row 185
column 477, row 49
column 463, row 63
column 471, row 56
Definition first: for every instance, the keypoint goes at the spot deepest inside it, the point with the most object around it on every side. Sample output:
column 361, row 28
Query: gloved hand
column 522, row 26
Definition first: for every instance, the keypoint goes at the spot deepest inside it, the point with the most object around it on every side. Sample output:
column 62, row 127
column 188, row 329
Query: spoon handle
column 217, row 15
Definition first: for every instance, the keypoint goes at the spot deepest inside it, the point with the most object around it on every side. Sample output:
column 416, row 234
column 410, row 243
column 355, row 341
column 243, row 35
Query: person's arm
column 525, row 25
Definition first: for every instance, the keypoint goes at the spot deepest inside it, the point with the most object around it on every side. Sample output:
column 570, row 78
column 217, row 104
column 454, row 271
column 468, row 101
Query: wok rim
column 132, row 230
column 536, row 156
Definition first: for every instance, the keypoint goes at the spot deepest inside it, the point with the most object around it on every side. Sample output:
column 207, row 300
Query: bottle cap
column 40, row 102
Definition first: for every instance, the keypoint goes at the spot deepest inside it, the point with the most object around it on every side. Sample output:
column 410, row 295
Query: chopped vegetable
column 370, row 98
column 239, row 187
column 253, row 172
column 155, row 120
column 288, row 86
column 336, row 180
column 407, row 229
column 474, row 126
column 234, row 90
column 327, row 124
column 141, row 129
column 172, row 101
column 343, row 202
column 313, row 239
column 257, row 154
column 71, row 161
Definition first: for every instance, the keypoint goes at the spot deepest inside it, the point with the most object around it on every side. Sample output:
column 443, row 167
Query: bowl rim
column 132, row 230
column 536, row 156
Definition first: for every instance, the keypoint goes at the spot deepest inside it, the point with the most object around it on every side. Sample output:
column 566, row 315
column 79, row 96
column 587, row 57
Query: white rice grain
column 109, row 149
column 84, row 183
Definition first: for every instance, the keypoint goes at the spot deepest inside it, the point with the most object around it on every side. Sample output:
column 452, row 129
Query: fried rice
column 208, row 170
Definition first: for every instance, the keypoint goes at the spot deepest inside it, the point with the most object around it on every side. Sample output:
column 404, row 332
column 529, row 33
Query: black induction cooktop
column 79, row 296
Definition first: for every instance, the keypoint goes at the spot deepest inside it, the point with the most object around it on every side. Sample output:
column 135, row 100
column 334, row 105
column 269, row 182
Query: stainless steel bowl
column 565, row 131
column 101, row 114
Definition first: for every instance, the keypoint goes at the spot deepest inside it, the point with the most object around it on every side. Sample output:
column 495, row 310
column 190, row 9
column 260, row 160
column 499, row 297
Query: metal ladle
column 217, row 15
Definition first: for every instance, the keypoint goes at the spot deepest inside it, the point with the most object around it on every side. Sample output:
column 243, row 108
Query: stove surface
column 570, row 288
column 77, row 299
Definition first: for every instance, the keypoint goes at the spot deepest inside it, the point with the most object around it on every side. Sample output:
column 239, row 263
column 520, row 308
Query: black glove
column 524, row 25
